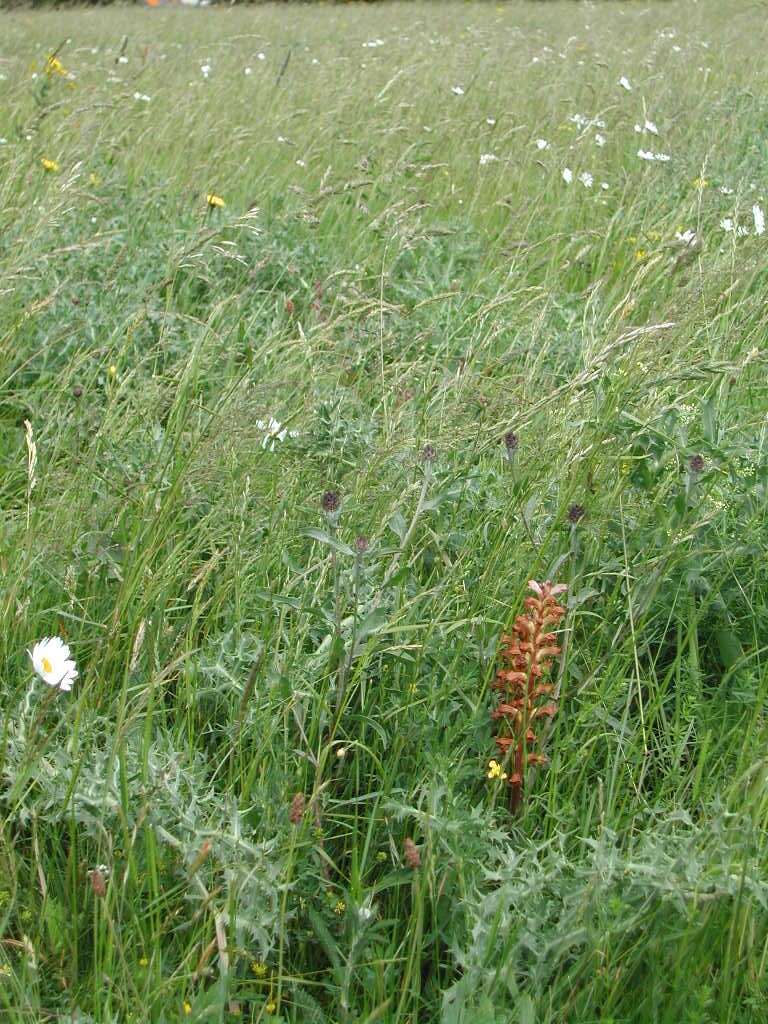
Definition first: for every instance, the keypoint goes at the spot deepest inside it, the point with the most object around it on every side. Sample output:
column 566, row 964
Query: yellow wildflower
column 258, row 968
column 51, row 166
column 495, row 771
column 143, row 962
column 270, row 1008
column 640, row 255
column 53, row 66
column 112, row 370
column 340, row 907
column 214, row 201
column 700, row 184
column 94, row 179
column 187, row 1007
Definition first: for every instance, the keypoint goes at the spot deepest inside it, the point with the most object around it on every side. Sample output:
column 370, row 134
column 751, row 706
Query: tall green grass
column 374, row 287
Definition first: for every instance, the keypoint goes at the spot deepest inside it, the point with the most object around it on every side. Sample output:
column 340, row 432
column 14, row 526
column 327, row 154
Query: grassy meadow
column 276, row 283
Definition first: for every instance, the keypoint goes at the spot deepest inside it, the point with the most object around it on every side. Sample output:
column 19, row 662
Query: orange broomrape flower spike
column 527, row 655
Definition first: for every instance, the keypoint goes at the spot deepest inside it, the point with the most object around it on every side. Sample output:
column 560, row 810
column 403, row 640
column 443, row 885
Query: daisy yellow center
column 47, row 666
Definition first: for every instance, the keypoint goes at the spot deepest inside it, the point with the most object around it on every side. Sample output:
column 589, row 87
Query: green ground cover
column 441, row 224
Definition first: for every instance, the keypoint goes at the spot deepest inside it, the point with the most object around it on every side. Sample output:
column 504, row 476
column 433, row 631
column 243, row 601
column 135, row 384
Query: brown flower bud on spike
column 411, row 853
column 527, row 653
column 296, row 812
column 98, row 883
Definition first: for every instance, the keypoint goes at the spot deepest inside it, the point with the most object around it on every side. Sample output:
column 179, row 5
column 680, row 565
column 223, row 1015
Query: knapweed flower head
column 511, row 441
column 214, row 201
column 527, row 656
column 330, row 502
column 428, row 453
column 696, row 463
column 51, row 660
column 575, row 513
column 50, row 166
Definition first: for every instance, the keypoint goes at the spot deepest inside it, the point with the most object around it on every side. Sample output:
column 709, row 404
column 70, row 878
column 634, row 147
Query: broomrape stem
column 528, row 654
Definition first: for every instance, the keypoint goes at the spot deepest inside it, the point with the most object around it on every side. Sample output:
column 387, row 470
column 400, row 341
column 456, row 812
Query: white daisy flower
column 600, row 139
column 586, row 179
column 491, row 121
column 759, row 218
column 624, row 83
column 542, row 144
column 567, row 175
column 51, row 661
column 604, row 186
column 457, row 90
column 487, row 158
column 247, row 71
column 688, row 237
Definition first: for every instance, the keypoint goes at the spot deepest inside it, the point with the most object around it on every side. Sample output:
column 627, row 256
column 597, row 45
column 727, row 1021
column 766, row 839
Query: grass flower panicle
column 524, row 698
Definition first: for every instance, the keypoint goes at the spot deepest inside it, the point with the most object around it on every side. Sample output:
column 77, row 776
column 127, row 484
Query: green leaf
column 323, row 537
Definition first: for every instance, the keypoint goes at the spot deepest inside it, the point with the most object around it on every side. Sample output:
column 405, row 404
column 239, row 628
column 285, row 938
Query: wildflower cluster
column 527, row 655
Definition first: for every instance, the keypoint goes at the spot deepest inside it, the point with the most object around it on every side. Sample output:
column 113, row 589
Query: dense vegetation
column 322, row 333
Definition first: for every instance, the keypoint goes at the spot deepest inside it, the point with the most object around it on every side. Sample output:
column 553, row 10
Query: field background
column 375, row 286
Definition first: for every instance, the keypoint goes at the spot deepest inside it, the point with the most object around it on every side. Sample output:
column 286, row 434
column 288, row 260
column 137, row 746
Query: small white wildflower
column 724, row 190
column 205, row 70
column 122, row 59
column 51, row 661
column 759, row 218
column 542, row 144
column 457, row 90
column 142, row 96
column 726, row 224
column 487, row 158
column 688, row 237
column 586, row 179
column 491, row 121
column 567, row 175
column 247, row 71
column 301, row 163
column 646, row 126
column 600, row 139
column 261, row 56
column 604, row 186
column 273, row 431
column 624, row 83
column 646, row 154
